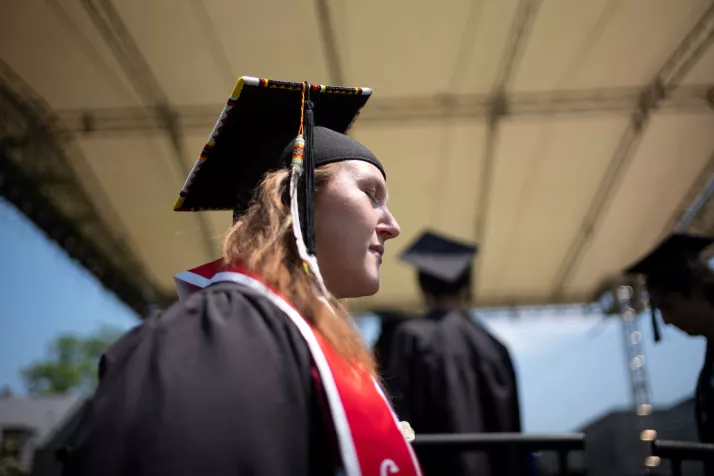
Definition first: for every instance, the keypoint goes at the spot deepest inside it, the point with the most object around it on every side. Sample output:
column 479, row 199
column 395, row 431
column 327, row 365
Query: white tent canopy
column 565, row 137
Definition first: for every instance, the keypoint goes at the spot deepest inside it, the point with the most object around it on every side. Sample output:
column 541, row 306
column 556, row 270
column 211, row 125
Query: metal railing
column 562, row 443
column 678, row 451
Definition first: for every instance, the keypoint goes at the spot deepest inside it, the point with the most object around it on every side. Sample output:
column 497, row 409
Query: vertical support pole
column 639, row 378
column 634, row 352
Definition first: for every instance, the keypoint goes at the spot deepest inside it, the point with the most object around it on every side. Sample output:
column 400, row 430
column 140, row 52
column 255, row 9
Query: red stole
column 368, row 434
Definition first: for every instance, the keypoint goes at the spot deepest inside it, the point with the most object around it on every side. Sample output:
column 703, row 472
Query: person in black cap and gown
column 390, row 320
column 259, row 371
column 449, row 374
column 681, row 286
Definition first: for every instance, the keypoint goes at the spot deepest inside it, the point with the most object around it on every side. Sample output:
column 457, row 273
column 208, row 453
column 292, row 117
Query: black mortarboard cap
column 440, row 257
column 666, row 267
column 254, row 135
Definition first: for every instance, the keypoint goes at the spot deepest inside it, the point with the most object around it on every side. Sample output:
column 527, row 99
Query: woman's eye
column 372, row 196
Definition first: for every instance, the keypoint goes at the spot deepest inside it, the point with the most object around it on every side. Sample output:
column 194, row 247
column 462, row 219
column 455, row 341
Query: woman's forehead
column 362, row 169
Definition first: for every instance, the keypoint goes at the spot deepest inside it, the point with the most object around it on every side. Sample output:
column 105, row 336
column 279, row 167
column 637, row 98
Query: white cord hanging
column 296, row 173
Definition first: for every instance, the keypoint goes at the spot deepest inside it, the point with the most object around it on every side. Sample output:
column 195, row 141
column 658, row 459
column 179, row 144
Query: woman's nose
column 388, row 228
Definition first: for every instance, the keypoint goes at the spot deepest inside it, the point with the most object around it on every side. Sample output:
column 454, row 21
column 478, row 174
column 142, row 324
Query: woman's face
column 352, row 224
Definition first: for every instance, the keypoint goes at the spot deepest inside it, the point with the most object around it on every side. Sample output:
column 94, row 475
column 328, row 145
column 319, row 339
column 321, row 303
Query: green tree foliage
column 10, row 458
column 71, row 363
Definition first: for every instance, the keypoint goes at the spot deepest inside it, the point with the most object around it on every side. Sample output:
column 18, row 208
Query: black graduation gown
column 221, row 384
column 449, row 375
column 383, row 346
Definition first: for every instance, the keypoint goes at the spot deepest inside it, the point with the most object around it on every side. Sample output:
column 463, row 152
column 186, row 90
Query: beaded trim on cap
column 226, row 112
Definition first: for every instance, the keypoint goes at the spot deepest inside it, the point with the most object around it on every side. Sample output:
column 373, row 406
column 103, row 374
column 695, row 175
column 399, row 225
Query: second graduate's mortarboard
column 440, row 257
column 666, row 268
column 267, row 125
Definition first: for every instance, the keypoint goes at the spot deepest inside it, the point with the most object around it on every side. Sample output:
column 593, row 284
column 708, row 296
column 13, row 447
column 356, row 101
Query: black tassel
column 655, row 324
column 308, row 213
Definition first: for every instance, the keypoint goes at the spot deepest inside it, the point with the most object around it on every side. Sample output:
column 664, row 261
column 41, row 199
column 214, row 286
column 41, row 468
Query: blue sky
column 44, row 293
column 571, row 366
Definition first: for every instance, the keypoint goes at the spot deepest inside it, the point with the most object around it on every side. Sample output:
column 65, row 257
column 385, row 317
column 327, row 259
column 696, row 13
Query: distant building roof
column 43, row 420
column 41, row 414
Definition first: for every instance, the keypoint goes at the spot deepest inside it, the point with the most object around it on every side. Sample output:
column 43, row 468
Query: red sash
column 368, row 434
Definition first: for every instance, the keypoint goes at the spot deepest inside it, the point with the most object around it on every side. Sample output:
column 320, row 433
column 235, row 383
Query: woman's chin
column 373, row 284
column 374, row 289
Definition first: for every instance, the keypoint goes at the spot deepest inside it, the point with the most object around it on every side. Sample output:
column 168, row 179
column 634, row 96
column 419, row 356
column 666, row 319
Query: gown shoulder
column 217, row 384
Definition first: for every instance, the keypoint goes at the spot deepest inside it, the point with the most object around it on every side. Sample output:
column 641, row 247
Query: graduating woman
column 259, row 370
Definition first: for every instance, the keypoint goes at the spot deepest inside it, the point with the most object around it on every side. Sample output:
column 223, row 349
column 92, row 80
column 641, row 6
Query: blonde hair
column 262, row 241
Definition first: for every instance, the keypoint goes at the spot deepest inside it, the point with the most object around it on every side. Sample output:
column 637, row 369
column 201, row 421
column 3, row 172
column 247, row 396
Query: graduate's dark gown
column 449, row 375
column 220, row 385
column 383, row 346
